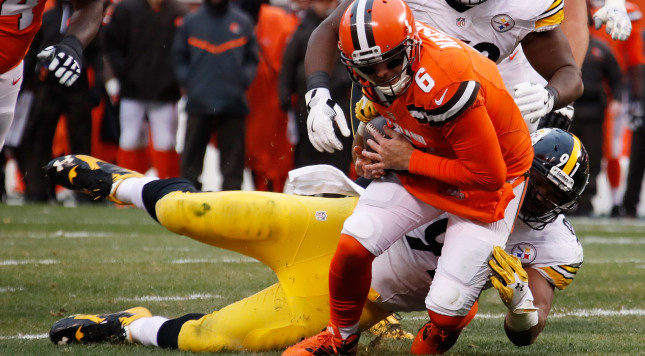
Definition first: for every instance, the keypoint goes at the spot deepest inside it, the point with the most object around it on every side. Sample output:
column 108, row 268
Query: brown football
column 376, row 124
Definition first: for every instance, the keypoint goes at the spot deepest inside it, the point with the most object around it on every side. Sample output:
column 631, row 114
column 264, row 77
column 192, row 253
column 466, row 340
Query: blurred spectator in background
column 292, row 86
column 215, row 57
column 19, row 23
column 53, row 100
column 617, row 136
column 268, row 151
column 298, row 8
column 138, row 40
column 637, row 151
column 601, row 76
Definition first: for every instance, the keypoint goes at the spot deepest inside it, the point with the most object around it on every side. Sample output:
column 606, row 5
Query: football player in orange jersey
column 19, row 23
column 469, row 154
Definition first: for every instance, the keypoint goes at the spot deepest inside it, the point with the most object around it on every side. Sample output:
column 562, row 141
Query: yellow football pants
column 295, row 236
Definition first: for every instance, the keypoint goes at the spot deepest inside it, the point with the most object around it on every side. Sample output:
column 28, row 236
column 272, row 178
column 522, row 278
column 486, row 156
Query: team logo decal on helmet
column 559, row 174
column 374, row 32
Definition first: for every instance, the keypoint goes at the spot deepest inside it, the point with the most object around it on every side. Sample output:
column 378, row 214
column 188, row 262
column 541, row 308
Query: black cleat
column 87, row 175
column 94, row 328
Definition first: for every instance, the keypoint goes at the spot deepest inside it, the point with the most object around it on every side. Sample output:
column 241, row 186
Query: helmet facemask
column 469, row 3
column 379, row 45
column 544, row 200
column 362, row 71
column 559, row 174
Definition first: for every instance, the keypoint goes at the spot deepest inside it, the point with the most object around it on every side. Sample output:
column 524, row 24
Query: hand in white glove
column 533, row 100
column 614, row 15
column 511, row 281
column 63, row 60
column 323, row 113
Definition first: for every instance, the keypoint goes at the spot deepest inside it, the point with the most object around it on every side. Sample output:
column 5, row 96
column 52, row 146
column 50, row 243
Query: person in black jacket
column 138, row 39
column 51, row 100
column 215, row 57
column 600, row 68
column 636, row 169
column 292, row 82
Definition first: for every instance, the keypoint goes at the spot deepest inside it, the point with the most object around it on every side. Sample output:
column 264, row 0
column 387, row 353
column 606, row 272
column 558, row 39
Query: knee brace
column 449, row 297
column 365, row 228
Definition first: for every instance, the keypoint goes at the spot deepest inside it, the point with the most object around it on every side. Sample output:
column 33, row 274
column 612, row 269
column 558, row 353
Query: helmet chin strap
column 395, row 89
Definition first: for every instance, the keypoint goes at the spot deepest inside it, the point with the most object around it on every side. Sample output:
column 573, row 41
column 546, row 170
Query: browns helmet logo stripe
column 361, row 25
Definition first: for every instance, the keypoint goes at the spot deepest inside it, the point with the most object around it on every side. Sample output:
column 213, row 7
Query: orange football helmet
column 379, row 31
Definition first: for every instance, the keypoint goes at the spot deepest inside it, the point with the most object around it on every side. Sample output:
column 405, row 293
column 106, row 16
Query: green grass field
column 57, row 261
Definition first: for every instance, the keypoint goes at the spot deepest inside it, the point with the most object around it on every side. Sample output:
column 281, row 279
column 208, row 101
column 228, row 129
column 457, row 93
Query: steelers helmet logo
column 502, row 23
column 525, row 252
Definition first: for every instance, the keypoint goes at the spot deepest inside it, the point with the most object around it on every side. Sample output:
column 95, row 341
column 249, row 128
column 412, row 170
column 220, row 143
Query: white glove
column 614, row 15
column 533, row 100
column 323, row 112
column 511, row 281
column 63, row 60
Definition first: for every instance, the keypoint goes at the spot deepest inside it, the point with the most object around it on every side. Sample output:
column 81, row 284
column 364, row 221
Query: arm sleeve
column 479, row 162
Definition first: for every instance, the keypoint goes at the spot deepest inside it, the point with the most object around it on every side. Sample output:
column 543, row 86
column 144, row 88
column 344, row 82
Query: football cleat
column 94, row 328
column 431, row 340
column 511, row 281
column 87, row 175
column 390, row 328
column 325, row 343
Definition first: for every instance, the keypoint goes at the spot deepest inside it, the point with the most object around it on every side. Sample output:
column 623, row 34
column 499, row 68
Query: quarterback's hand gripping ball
column 323, row 113
column 511, row 281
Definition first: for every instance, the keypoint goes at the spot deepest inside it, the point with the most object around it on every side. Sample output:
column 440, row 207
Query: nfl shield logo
column 321, row 215
column 461, row 21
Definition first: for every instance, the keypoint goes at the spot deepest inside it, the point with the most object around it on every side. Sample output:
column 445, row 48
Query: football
column 376, row 124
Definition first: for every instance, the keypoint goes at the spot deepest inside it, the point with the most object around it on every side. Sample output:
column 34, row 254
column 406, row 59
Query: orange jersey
column 470, row 135
column 20, row 20
column 630, row 52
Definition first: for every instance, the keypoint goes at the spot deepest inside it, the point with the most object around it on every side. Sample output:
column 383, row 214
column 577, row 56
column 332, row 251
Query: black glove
column 560, row 118
column 63, row 60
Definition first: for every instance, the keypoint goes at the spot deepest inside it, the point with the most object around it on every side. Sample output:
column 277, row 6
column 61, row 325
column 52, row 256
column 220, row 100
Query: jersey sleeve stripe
column 552, row 16
column 462, row 100
column 558, row 276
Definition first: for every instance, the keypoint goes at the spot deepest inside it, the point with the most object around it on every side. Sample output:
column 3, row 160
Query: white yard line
column 241, row 259
column 565, row 314
column 617, row 240
column 158, row 298
column 27, row 262
column 573, row 313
